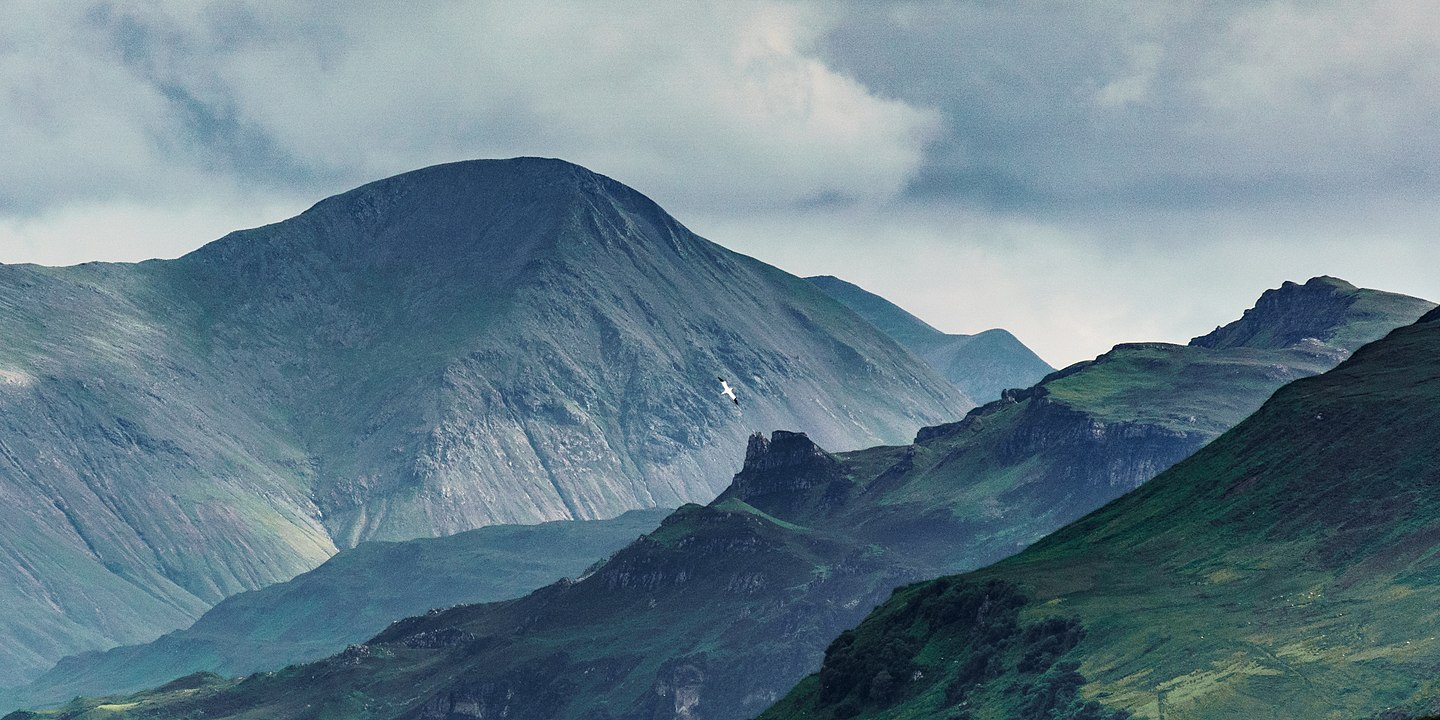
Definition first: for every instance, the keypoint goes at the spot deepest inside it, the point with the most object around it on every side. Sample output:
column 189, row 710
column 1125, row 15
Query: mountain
column 983, row 365
column 465, row 345
column 1286, row 570
column 722, row 609
column 1334, row 313
column 354, row 595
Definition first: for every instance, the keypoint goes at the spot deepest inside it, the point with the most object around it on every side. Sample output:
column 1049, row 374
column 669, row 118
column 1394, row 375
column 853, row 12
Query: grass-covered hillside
column 1287, row 570
column 722, row 609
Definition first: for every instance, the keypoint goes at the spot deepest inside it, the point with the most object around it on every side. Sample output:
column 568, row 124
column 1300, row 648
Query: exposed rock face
column 678, row 692
column 465, row 345
column 1104, row 458
column 983, row 364
column 1324, row 310
column 782, row 469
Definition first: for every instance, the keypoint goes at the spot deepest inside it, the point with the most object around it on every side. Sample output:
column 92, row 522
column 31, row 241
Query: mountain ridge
column 1285, row 570
column 298, row 620
column 719, row 611
column 983, row 365
column 478, row 343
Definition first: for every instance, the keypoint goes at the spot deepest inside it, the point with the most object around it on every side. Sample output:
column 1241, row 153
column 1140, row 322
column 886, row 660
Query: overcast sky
column 1079, row 173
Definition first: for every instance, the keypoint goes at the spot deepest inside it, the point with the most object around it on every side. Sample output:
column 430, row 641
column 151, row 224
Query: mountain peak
column 1324, row 310
column 784, row 450
column 908, row 330
column 1321, row 282
column 477, row 213
column 780, row 472
column 477, row 179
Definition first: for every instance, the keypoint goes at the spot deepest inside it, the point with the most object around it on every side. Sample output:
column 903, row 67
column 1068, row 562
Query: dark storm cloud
column 174, row 61
column 1107, row 104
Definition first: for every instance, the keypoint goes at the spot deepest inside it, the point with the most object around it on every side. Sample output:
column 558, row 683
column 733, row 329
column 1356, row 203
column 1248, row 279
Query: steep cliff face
column 1101, row 457
column 465, row 345
column 725, row 606
column 786, row 469
column 1323, row 311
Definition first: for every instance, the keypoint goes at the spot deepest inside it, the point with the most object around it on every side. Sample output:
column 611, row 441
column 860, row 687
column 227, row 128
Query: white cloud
column 171, row 104
column 1133, row 86
column 125, row 231
column 71, row 122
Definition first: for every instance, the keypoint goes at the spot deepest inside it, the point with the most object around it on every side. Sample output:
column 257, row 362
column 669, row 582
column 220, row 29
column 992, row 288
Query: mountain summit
column 555, row 333
column 469, row 344
column 1323, row 312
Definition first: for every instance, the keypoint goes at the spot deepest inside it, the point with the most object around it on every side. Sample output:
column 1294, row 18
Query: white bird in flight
column 728, row 391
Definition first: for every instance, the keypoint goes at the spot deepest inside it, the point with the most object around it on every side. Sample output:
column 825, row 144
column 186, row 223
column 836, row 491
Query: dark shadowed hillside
column 722, row 609
column 1286, row 570
column 348, row 599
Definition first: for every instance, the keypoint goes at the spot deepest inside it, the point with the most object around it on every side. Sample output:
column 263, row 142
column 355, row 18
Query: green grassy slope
column 1286, row 570
column 724, row 607
column 346, row 600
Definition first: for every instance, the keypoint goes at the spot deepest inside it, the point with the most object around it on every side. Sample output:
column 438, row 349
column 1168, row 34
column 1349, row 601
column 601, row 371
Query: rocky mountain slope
column 470, row 344
column 354, row 595
column 722, row 609
column 1286, row 570
column 1335, row 313
column 983, row 364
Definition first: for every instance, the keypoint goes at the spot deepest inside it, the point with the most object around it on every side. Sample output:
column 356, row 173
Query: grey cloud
column 1081, row 173
column 679, row 100
column 1106, row 104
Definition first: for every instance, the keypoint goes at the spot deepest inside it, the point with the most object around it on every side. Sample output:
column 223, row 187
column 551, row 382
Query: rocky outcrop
column 1323, row 311
column 781, row 473
column 678, row 689
column 1104, row 459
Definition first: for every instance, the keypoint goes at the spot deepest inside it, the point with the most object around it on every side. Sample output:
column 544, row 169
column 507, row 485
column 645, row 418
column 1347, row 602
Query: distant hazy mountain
column 347, row 600
column 1287, row 570
column 718, row 612
column 982, row 365
column 470, row 344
